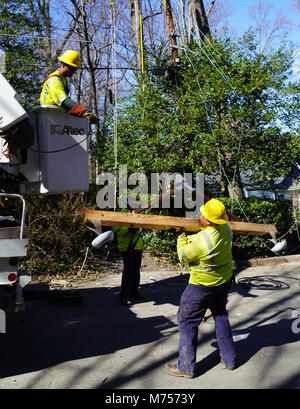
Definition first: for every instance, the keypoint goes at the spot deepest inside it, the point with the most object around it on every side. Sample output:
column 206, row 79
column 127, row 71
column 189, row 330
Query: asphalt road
column 100, row 344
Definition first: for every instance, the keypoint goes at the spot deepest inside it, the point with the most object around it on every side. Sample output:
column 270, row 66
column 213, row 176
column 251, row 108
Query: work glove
column 182, row 237
column 93, row 119
column 80, row 111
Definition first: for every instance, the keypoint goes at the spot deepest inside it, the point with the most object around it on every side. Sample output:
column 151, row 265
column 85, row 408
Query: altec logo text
column 65, row 130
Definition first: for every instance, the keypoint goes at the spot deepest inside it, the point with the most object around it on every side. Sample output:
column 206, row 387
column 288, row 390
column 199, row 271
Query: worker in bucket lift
column 130, row 244
column 208, row 255
column 55, row 89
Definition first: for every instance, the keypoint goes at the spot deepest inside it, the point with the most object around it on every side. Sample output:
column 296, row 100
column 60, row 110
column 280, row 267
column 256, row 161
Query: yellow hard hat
column 70, row 57
column 214, row 211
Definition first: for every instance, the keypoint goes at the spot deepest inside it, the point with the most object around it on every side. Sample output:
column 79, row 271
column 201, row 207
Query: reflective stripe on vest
column 182, row 255
column 213, row 265
column 46, row 89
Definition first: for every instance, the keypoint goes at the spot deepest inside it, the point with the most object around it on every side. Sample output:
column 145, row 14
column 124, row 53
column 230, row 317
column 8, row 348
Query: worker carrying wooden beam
column 149, row 221
column 208, row 255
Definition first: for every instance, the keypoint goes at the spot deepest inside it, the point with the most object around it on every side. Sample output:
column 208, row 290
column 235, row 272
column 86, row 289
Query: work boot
column 125, row 301
column 138, row 296
column 171, row 369
column 230, row 367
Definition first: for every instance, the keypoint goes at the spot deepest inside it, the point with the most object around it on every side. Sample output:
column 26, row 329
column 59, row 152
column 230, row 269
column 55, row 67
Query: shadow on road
column 46, row 335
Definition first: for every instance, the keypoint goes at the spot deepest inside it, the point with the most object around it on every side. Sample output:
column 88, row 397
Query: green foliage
column 225, row 112
column 254, row 210
column 161, row 243
column 23, row 59
column 277, row 212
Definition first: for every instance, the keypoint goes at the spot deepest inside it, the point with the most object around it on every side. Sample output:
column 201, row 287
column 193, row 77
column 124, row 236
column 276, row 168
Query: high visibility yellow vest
column 128, row 238
column 208, row 255
column 55, row 90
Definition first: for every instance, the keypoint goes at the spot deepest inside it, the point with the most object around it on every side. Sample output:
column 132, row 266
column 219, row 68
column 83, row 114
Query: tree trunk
column 197, row 19
column 235, row 190
column 184, row 30
column 230, row 177
column 135, row 13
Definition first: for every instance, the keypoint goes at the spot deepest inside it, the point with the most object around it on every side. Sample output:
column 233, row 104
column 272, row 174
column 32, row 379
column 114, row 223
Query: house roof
column 212, row 181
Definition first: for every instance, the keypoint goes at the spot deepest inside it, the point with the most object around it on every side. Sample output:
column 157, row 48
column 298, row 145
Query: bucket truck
column 46, row 149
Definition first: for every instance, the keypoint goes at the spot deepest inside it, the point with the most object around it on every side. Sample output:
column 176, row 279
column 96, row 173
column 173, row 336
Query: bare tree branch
column 210, row 8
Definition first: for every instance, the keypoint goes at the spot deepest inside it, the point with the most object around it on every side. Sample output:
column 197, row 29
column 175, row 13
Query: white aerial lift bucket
column 58, row 161
column 11, row 111
column 49, row 151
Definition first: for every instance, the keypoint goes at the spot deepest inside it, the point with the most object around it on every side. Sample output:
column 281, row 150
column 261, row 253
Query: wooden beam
column 149, row 221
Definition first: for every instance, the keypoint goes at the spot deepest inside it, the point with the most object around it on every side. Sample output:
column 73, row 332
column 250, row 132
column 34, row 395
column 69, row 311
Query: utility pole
column 171, row 30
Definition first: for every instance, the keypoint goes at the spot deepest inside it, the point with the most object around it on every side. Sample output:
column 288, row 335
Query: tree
column 136, row 17
column 92, row 58
column 225, row 120
column 171, row 30
column 41, row 15
column 18, row 40
column 270, row 24
column 198, row 20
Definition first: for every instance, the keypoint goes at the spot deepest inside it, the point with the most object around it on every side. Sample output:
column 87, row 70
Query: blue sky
column 241, row 20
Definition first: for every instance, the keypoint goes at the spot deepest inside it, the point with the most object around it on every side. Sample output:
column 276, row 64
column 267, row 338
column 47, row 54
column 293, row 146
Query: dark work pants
column 193, row 304
column 132, row 260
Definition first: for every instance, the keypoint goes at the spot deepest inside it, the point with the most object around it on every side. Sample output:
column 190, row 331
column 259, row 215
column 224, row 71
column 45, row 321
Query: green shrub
column 254, row 210
column 58, row 240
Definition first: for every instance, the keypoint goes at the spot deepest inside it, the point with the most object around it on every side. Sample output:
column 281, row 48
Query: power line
column 79, row 69
column 41, row 37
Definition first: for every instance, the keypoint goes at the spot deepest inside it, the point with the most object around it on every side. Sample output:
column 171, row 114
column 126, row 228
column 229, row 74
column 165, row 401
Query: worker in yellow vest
column 55, row 89
column 208, row 255
column 130, row 244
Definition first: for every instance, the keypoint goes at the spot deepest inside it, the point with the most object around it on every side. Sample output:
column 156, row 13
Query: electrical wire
column 115, row 110
column 267, row 282
column 41, row 37
column 59, row 150
column 210, row 58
